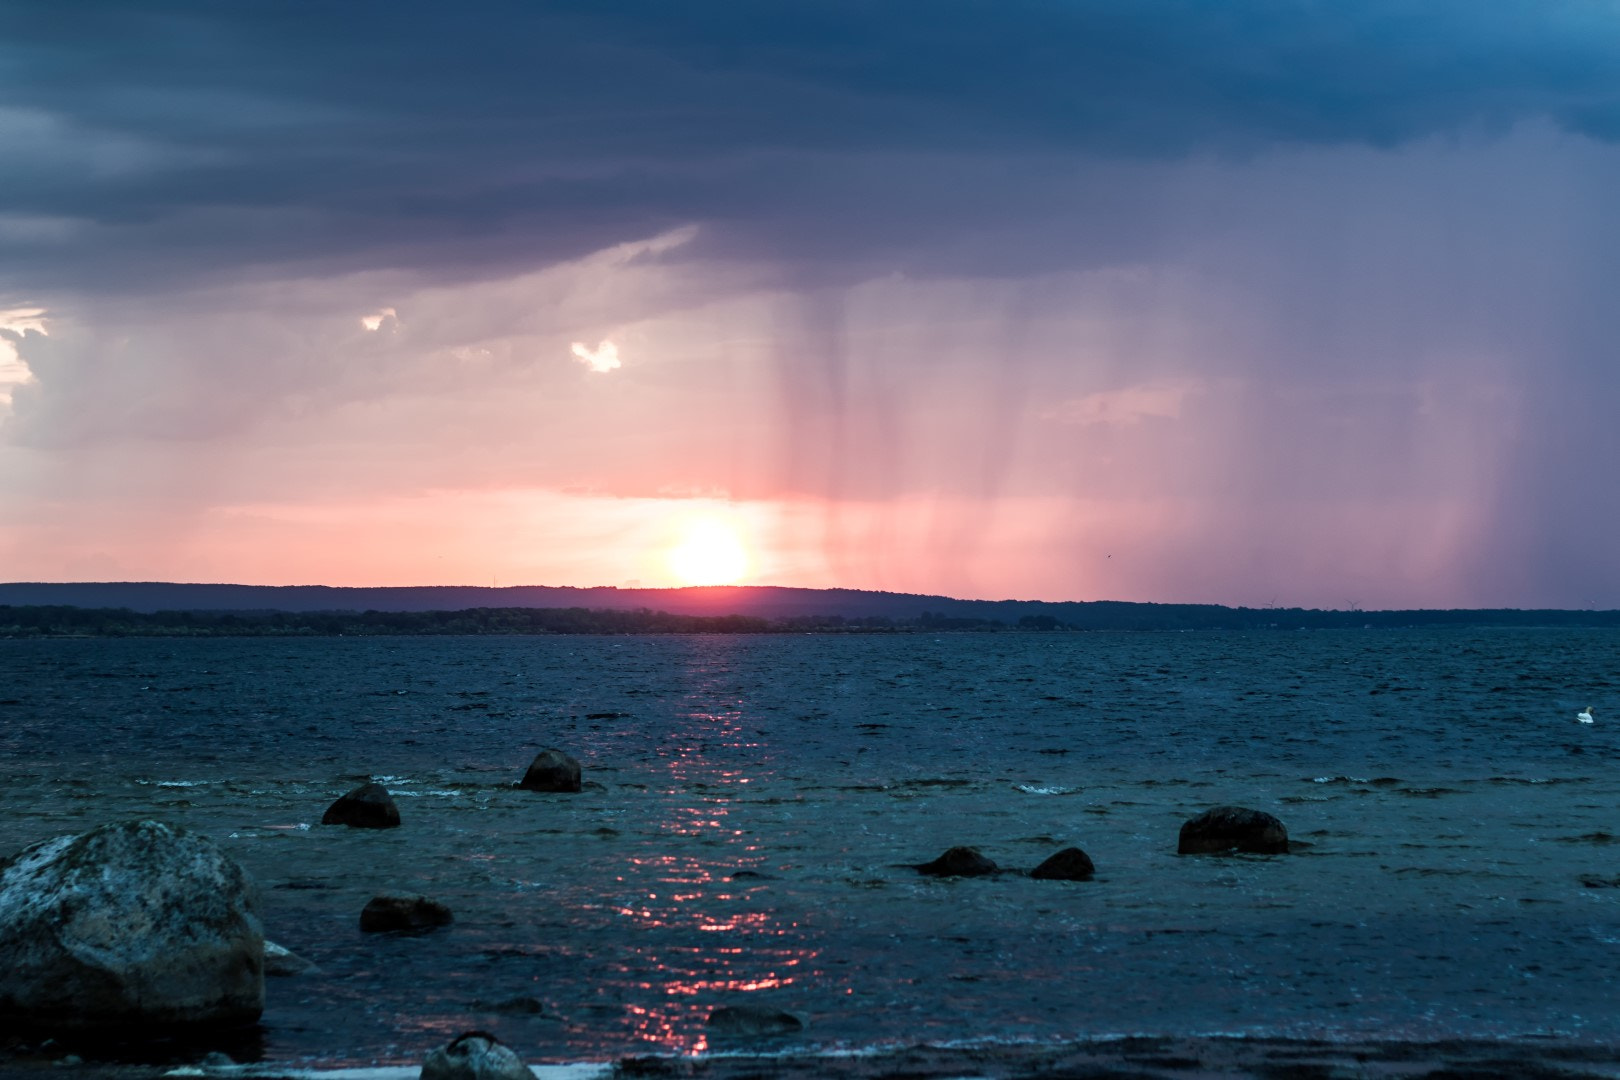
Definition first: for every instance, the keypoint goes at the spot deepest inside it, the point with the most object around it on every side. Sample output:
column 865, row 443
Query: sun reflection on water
column 697, row 940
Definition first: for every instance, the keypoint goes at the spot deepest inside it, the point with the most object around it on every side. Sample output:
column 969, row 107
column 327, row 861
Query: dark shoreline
column 61, row 622
column 1133, row 1058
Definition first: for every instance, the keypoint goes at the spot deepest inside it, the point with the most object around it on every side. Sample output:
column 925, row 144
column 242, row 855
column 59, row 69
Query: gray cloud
column 176, row 140
column 1321, row 285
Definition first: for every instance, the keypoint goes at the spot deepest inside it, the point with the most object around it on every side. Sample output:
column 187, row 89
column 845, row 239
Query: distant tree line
column 65, row 621
column 57, row 621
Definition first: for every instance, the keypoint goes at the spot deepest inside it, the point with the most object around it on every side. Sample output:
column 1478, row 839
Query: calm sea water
column 1463, row 877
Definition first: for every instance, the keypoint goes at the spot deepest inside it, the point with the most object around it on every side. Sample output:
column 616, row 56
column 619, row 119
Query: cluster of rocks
column 369, row 806
column 141, row 928
column 1218, row 831
column 144, row 927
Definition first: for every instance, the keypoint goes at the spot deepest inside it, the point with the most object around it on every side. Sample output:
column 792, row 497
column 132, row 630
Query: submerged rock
column 1070, row 864
column 408, row 912
column 1233, row 828
column 138, row 925
column 753, row 1021
column 280, row 960
column 958, row 862
column 368, row 806
column 475, row 1055
column 522, row 1005
column 551, row 770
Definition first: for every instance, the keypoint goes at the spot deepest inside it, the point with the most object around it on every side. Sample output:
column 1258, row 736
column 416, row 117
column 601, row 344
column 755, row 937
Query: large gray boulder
column 475, row 1055
column 551, row 770
column 138, row 925
column 1233, row 828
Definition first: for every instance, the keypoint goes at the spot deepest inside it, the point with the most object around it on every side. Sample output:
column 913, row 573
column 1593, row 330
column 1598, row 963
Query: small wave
column 258, row 831
column 1036, row 789
column 1538, row 780
column 417, row 794
column 179, row 783
column 1376, row 781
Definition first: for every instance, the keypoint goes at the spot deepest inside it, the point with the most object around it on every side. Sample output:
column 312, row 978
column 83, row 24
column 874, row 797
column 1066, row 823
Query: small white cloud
column 603, row 358
column 14, row 370
column 374, row 322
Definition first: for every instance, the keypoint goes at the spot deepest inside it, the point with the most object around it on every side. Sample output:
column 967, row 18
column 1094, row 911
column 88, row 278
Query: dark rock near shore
column 368, row 806
column 135, row 927
column 958, row 862
column 1233, row 828
column 753, row 1021
column 1070, row 864
column 407, row 913
column 475, row 1055
column 551, row 770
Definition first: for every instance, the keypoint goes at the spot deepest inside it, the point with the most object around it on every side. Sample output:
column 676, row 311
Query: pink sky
column 1246, row 354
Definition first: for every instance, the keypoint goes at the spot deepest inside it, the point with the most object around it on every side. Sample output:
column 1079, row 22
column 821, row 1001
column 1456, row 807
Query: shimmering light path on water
column 1461, row 879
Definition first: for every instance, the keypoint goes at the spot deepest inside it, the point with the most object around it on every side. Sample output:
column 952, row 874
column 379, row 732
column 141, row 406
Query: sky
column 1262, row 302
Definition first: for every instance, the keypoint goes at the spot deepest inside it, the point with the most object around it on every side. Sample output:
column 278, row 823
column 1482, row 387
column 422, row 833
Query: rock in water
column 409, row 913
column 1070, row 864
column 1233, row 828
column 135, row 925
column 746, row 1021
column 475, row 1055
column 368, row 806
column 280, row 960
column 551, row 770
column 958, row 862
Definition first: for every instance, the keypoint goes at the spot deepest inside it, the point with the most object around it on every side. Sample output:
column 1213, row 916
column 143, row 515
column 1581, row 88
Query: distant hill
column 763, row 601
column 755, row 608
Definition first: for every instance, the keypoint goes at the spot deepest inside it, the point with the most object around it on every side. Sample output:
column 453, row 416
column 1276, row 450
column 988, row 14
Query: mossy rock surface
column 136, row 926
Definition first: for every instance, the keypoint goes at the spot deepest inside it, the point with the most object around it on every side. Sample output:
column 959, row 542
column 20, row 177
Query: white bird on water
column 1585, row 715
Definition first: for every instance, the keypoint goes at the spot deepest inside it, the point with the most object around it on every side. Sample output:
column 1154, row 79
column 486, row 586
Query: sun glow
column 709, row 552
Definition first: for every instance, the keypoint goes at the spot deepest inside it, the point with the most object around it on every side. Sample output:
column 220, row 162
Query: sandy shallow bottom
column 1121, row 1059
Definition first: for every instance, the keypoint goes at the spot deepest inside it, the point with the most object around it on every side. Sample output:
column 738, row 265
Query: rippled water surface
column 1462, row 878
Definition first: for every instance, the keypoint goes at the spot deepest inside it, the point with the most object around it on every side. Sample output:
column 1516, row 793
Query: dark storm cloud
column 185, row 139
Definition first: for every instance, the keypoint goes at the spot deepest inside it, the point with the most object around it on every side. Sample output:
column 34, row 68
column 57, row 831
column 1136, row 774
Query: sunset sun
column 709, row 552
